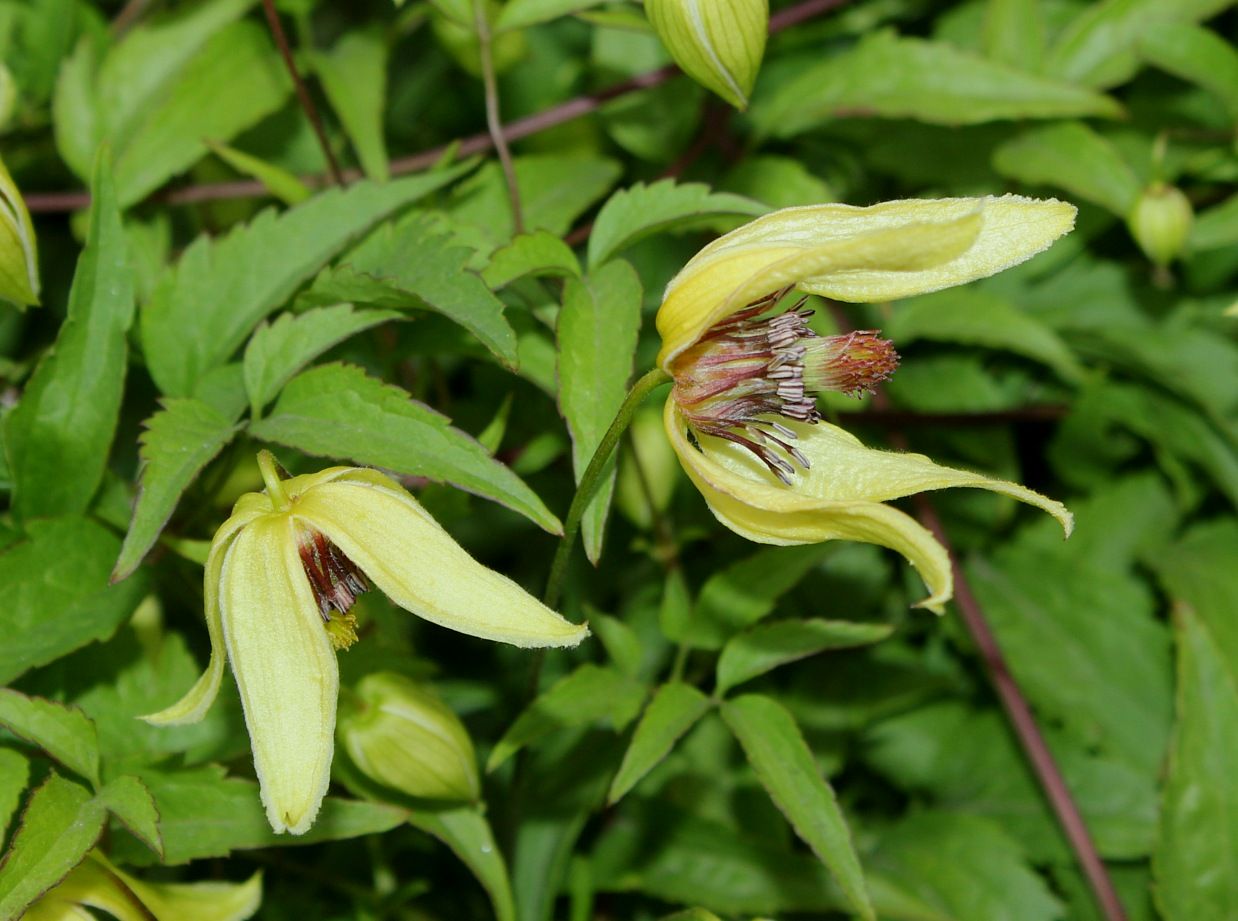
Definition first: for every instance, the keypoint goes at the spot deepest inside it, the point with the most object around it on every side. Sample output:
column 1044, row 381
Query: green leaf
column 519, row 14
column 786, row 768
column 1098, row 48
column 465, row 830
column 1217, row 227
column 622, row 644
column 354, row 77
column 203, row 813
column 179, row 441
column 278, row 181
column 65, row 733
column 588, row 695
column 966, row 867
column 14, row 775
column 768, row 646
column 57, row 596
column 597, row 331
column 1196, row 569
column 206, row 305
column 674, row 710
column 57, row 438
column 61, row 823
column 1014, row 33
column 278, row 350
column 337, row 411
column 1071, row 156
column 128, row 799
column 637, row 212
column 537, row 253
column 746, row 591
column 233, row 82
column 888, row 76
column 415, row 265
column 969, row 316
column 1199, row 827
column 1198, row 55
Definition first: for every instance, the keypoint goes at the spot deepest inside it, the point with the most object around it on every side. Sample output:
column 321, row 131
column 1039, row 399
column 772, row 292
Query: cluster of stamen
column 748, row 368
column 336, row 581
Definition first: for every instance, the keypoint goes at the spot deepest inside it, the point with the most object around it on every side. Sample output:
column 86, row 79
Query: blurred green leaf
column 519, row 14
column 888, row 76
column 1217, row 226
column 58, row 441
column 1014, row 33
column 179, row 441
column 354, row 76
column 206, row 305
column 64, row 733
column 785, row 766
column 465, row 830
column 279, row 182
column 338, row 411
column 767, row 646
column 597, row 332
column 673, row 710
column 1198, row 55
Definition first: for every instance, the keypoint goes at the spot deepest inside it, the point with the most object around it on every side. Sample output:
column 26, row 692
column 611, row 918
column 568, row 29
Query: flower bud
column 659, row 470
column 399, row 734
column 1161, row 222
column 19, row 264
column 719, row 45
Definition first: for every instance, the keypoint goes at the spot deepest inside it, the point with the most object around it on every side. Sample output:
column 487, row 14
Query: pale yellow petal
column 416, row 563
column 284, row 667
column 198, row 699
column 205, row 901
column 882, row 252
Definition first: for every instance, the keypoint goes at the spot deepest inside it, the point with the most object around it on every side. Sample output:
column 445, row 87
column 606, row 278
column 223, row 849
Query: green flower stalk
column 280, row 578
column 742, row 413
column 401, row 735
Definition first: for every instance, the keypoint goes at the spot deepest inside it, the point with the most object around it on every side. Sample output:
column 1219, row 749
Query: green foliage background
column 211, row 301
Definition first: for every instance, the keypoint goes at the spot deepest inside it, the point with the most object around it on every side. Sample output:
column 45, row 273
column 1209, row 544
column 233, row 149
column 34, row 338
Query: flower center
column 336, row 582
column 749, row 368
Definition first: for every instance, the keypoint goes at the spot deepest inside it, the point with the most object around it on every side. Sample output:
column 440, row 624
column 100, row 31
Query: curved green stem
column 591, row 479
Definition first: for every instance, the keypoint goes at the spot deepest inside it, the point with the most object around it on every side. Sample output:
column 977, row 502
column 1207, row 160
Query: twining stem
column 307, row 102
column 592, row 478
column 494, row 123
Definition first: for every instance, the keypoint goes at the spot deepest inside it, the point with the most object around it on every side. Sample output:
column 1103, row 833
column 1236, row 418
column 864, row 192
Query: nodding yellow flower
column 281, row 575
column 742, row 413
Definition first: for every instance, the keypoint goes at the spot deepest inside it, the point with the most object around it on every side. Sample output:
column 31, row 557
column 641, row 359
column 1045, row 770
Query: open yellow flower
column 742, row 415
column 282, row 573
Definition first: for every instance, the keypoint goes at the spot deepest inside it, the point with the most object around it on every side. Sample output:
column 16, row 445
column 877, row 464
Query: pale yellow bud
column 719, row 45
column 1161, row 222
column 401, row 735
column 19, row 262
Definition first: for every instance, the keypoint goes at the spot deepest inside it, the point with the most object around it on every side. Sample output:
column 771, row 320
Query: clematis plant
column 283, row 572
column 742, row 413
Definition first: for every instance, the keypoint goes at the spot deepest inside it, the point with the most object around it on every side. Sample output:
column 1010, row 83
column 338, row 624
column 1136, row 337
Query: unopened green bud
column 719, row 45
column 401, row 735
column 1161, row 222
column 19, row 263
column 639, row 490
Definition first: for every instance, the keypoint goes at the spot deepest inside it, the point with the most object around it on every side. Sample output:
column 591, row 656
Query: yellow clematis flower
column 282, row 573
column 742, row 414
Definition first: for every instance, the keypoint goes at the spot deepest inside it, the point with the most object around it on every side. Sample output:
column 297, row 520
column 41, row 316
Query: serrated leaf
column 520, row 14
column 278, row 181
column 354, row 77
column 589, row 694
column 203, row 813
column 205, row 306
column 65, row 733
column 61, row 823
column 417, row 265
column 128, row 799
column 465, row 830
column 58, row 440
column 768, row 646
column 57, row 596
column 786, row 768
column 179, row 441
column 337, row 411
column 968, row 316
column 14, row 775
column 893, row 77
column 641, row 210
column 597, row 332
column 278, row 350
column 674, row 709
column 1196, row 54
column 1071, row 156
column 536, row 253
